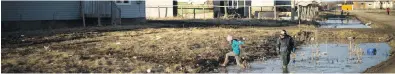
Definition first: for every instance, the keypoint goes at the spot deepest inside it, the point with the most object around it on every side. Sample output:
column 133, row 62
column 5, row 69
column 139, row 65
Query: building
column 347, row 7
column 16, row 14
column 236, row 8
column 245, row 8
column 376, row 4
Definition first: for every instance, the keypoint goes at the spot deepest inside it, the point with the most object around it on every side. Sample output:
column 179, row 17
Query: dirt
column 117, row 49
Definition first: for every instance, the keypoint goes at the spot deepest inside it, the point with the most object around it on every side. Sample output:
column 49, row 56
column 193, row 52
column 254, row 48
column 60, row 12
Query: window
column 234, row 4
column 122, row 2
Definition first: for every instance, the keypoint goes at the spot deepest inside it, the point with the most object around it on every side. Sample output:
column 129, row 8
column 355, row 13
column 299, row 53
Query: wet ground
column 332, row 57
column 342, row 23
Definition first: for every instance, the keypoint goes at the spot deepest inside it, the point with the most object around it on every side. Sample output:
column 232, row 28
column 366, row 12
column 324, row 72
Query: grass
column 159, row 50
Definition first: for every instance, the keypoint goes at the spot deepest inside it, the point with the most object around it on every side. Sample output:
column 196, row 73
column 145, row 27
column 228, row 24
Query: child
column 235, row 43
column 388, row 11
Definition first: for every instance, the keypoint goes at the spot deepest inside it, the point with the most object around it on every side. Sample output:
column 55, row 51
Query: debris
column 148, row 70
column 263, row 58
column 350, row 38
column 371, row 51
column 293, row 61
column 312, row 39
column 118, row 43
column 216, row 70
column 134, row 57
column 324, row 53
column 46, row 47
column 348, row 66
column 158, row 37
column 368, row 24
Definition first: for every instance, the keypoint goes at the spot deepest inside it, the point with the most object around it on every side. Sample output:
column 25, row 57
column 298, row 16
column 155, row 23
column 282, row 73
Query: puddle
column 338, row 59
column 342, row 23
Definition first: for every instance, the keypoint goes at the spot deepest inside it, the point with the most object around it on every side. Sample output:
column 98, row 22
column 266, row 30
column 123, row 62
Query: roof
column 305, row 3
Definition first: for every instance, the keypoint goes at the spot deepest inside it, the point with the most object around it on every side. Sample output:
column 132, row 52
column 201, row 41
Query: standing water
column 323, row 58
column 342, row 23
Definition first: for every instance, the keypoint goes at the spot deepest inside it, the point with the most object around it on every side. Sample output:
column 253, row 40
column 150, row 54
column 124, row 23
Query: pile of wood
column 307, row 12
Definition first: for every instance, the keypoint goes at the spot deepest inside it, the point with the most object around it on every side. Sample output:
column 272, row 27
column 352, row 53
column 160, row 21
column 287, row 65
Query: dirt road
column 381, row 19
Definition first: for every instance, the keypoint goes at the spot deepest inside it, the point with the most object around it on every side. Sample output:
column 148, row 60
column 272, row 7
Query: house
column 175, row 8
column 39, row 14
column 245, row 8
column 373, row 4
column 160, row 8
column 238, row 8
column 262, row 8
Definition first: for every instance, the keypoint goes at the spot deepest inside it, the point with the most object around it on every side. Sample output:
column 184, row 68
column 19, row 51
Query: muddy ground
column 155, row 49
column 166, row 46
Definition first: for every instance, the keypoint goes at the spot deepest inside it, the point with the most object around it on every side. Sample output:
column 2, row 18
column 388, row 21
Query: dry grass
column 154, row 49
column 159, row 50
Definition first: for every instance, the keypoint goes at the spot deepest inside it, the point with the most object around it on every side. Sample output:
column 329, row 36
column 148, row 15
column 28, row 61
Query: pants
column 388, row 13
column 232, row 54
column 285, row 56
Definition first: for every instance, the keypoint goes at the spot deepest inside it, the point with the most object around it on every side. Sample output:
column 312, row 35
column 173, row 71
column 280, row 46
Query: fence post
column 299, row 15
column 166, row 12
column 249, row 12
column 194, row 13
column 182, row 12
column 204, row 13
column 82, row 8
column 226, row 11
column 275, row 12
column 158, row 12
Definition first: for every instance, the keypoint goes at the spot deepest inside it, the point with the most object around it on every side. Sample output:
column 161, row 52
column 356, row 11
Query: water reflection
column 342, row 23
column 323, row 56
